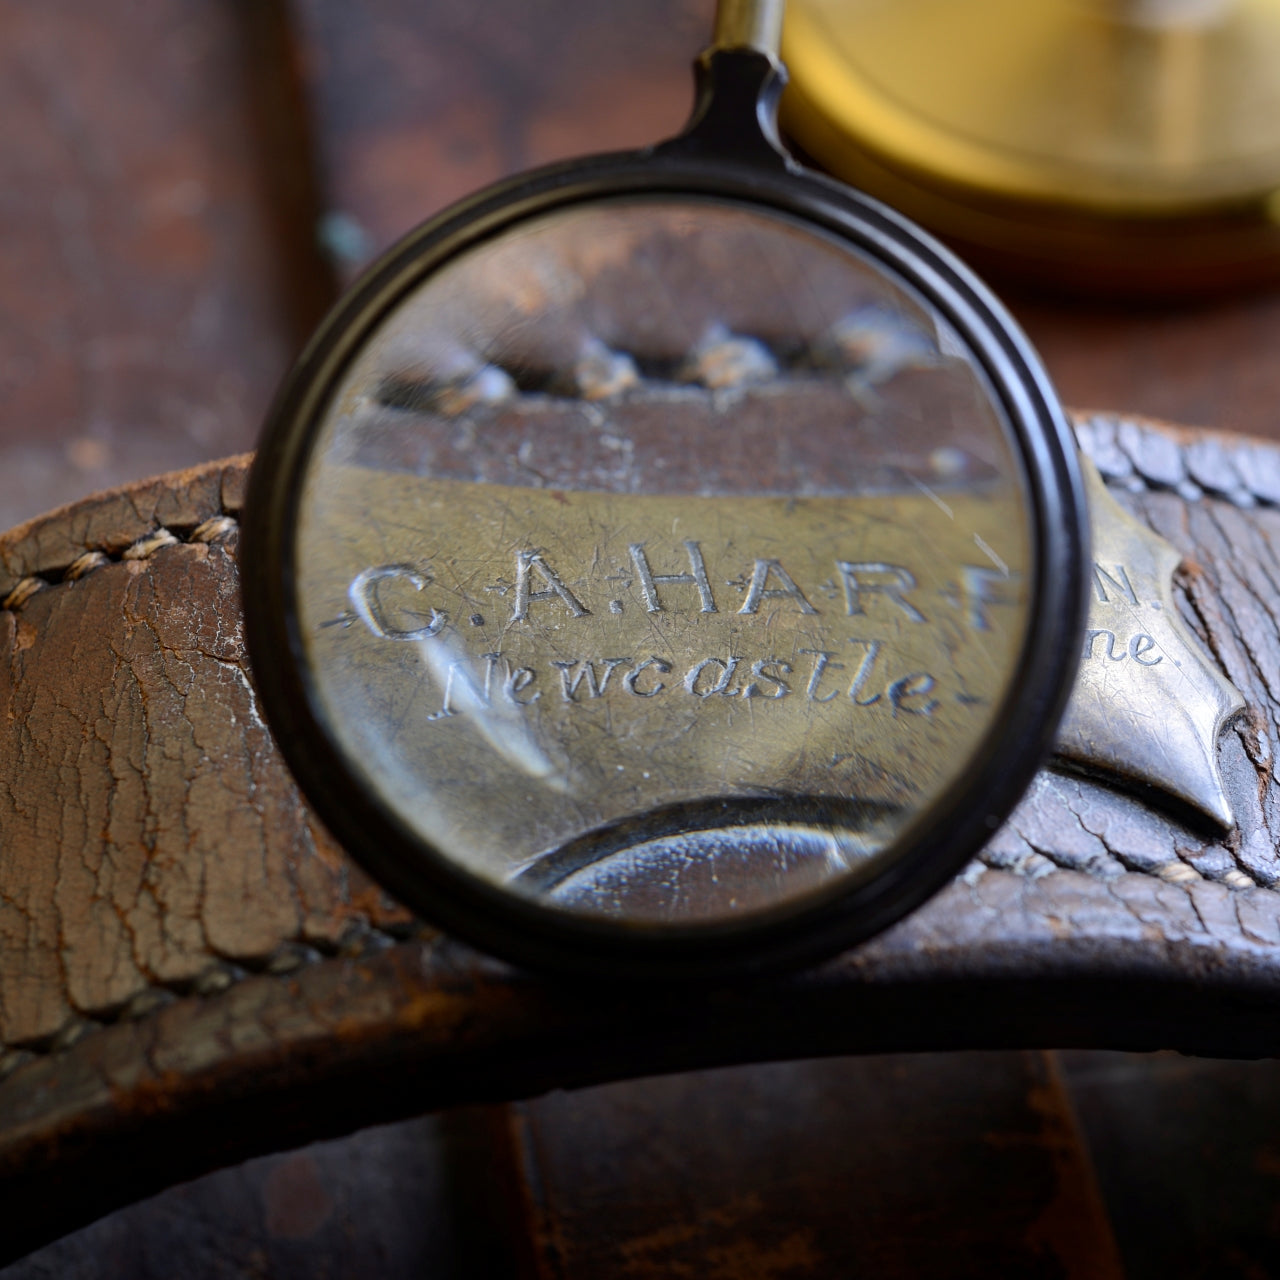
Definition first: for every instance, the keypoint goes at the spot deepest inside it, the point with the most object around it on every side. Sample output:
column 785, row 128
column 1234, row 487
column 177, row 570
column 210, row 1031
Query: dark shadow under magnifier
column 667, row 563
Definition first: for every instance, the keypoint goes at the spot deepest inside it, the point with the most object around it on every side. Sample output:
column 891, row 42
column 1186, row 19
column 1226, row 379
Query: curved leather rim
column 191, row 972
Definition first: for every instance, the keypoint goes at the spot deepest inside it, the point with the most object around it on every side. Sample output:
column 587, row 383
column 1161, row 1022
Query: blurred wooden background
column 185, row 185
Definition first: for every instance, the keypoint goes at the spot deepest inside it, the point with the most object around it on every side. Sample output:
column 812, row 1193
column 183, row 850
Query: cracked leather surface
column 191, row 971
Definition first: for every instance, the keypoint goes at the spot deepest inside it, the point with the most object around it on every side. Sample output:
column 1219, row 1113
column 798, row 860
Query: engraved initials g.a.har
column 866, row 584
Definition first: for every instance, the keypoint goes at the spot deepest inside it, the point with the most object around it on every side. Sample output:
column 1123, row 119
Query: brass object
column 1148, row 704
column 1113, row 144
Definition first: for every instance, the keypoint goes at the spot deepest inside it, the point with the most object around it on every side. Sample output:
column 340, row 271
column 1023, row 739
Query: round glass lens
column 663, row 559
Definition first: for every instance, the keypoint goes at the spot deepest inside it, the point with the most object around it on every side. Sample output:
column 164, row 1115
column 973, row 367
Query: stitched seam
column 209, row 532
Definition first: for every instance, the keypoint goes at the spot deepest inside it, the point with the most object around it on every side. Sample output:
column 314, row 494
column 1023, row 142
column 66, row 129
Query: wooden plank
column 1188, row 1158
column 1207, row 363
column 419, row 104
column 902, row 1166
column 395, row 1202
column 142, row 323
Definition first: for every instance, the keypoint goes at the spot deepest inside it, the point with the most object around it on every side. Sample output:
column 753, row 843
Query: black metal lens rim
column 930, row 850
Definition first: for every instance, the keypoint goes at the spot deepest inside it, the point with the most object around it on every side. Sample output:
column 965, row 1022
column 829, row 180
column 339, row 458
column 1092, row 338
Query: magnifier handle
column 739, row 81
column 749, row 24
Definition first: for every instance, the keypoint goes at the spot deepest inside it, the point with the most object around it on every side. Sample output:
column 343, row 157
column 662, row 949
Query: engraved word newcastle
column 584, row 679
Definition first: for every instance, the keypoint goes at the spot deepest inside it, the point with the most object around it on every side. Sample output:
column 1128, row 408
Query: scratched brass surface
column 663, row 559
column 513, row 667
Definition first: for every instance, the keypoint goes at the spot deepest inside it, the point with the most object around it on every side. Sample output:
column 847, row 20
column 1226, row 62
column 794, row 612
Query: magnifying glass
column 667, row 564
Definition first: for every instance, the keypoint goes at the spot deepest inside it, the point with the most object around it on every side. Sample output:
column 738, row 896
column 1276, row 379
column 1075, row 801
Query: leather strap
column 191, row 972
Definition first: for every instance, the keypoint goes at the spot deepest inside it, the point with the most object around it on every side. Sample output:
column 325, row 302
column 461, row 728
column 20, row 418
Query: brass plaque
column 1149, row 703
